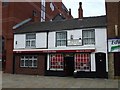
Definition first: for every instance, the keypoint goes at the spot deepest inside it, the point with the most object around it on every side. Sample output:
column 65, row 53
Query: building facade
column 113, row 35
column 16, row 14
column 62, row 48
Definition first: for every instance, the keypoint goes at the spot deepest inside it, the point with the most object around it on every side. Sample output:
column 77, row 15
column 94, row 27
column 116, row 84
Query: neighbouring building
column 16, row 14
column 62, row 48
column 113, row 35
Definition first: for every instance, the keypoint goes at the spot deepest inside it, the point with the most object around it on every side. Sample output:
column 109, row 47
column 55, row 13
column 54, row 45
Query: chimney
column 69, row 11
column 80, row 11
column 35, row 16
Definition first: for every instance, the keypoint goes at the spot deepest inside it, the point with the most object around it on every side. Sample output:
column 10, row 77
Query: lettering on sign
column 114, row 45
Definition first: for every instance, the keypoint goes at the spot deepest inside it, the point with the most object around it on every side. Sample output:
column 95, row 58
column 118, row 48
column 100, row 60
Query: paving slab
column 34, row 81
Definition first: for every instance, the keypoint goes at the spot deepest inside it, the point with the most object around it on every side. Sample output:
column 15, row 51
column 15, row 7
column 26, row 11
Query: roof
column 86, row 22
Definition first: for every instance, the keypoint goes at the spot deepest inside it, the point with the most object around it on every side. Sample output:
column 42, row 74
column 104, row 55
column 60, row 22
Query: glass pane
column 27, row 43
column 33, row 43
column 30, row 36
column 26, row 63
column 30, row 63
column 35, row 63
column 22, row 63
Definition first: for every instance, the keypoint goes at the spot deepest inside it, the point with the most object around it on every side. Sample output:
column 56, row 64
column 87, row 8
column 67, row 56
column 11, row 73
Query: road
column 33, row 81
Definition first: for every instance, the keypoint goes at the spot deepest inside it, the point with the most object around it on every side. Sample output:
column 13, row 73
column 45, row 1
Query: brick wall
column 112, row 18
column 32, row 71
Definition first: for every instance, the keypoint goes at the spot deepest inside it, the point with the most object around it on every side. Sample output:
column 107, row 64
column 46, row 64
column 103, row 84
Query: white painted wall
column 51, row 40
column 20, row 39
column 41, row 40
column 101, row 42
column 93, row 63
column 76, row 34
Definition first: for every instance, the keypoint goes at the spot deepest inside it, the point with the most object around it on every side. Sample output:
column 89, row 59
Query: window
column 61, row 38
column 56, row 62
column 28, row 61
column 82, row 62
column 30, row 40
column 88, row 37
column 42, row 10
column 52, row 6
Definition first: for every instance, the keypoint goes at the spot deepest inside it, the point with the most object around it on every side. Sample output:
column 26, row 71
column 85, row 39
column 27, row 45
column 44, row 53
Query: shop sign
column 114, row 45
column 74, row 42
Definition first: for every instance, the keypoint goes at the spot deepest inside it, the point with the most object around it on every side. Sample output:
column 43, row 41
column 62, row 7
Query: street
column 34, row 81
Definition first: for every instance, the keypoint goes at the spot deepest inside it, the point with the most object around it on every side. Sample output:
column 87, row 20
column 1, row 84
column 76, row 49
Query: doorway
column 117, row 63
column 100, row 65
column 69, row 65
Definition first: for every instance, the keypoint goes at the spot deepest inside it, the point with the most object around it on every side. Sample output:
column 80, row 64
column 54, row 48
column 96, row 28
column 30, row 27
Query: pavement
column 34, row 81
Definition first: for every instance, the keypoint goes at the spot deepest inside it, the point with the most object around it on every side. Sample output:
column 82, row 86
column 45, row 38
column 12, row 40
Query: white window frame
column 23, row 58
column 88, row 38
column 49, row 63
column 61, row 40
column 30, row 41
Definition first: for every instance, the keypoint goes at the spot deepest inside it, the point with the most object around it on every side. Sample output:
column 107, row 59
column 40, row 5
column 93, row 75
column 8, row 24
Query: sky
column 90, row 7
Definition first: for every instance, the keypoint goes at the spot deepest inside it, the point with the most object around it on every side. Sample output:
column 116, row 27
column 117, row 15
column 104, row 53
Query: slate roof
column 86, row 22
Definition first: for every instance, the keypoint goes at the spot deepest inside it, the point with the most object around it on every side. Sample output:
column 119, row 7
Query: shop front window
column 82, row 62
column 56, row 62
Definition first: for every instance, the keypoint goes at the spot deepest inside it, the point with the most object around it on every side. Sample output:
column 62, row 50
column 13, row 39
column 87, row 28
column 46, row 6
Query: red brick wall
column 112, row 18
column 14, row 13
column 32, row 71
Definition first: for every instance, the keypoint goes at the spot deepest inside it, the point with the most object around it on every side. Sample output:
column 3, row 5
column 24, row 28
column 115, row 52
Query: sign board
column 74, row 42
column 114, row 45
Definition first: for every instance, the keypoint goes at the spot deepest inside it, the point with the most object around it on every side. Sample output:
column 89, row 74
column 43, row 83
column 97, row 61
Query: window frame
column 29, row 59
column 88, row 37
column 89, row 62
column 61, row 61
column 30, row 41
column 56, row 44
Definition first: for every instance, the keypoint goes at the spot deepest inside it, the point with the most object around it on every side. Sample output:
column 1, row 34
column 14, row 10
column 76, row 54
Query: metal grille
column 56, row 61
column 82, row 62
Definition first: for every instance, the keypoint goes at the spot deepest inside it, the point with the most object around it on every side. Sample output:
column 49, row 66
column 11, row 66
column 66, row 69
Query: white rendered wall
column 19, row 41
column 93, row 63
column 41, row 40
column 76, row 34
column 101, row 42
column 51, row 40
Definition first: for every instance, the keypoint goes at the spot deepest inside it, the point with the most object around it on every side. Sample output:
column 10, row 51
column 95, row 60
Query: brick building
column 113, row 34
column 15, row 14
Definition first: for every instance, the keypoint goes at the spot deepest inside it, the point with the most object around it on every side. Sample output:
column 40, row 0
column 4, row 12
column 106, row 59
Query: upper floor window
column 30, row 40
column 52, row 6
column 61, row 38
column 88, row 37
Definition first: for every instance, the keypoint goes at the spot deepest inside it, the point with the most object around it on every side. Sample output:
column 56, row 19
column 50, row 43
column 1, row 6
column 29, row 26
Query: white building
column 62, row 48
